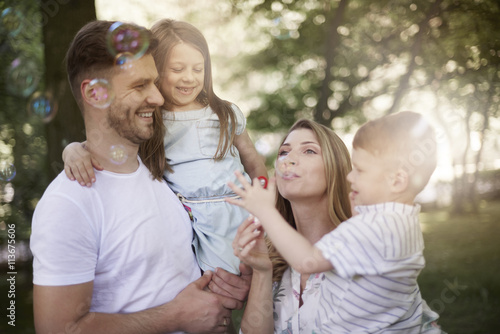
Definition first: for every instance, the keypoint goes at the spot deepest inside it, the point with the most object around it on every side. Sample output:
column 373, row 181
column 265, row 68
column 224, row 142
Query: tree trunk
column 462, row 188
column 415, row 51
column 332, row 39
column 61, row 20
column 473, row 188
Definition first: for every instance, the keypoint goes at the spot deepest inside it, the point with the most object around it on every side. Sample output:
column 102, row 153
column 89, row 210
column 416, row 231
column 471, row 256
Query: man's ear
column 87, row 92
column 97, row 93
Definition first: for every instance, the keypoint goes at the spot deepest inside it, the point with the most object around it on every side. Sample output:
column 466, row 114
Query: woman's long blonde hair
column 337, row 166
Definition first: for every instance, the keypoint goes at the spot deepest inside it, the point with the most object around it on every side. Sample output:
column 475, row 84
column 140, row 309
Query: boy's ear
column 399, row 181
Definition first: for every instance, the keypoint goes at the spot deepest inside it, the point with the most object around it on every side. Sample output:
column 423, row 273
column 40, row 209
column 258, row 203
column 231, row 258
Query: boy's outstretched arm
column 79, row 164
column 295, row 248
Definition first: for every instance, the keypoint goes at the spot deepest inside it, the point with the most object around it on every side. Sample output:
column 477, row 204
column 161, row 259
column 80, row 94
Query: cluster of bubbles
column 23, row 74
column 7, row 171
column 126, row 43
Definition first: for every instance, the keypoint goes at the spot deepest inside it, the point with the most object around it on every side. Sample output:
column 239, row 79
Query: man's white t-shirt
column 128, row 233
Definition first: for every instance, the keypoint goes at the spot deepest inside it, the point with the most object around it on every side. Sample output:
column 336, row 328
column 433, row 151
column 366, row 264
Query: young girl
column 205, row 142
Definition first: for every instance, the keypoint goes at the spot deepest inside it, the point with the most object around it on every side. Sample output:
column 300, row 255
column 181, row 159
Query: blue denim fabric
column 190, row 144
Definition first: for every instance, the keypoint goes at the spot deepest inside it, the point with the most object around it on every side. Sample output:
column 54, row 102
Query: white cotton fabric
column 377, row 256
column 128, row 233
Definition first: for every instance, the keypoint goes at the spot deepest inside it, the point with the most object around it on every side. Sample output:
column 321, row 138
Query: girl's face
column 183, row 77
column 300, row 169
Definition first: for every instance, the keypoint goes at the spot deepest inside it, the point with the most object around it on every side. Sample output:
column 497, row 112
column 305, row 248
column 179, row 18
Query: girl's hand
column 250, row 246
column 253, row 197
column 79, row 164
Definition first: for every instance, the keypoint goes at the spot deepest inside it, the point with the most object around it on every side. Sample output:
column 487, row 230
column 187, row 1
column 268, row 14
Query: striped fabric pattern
column 377, row 257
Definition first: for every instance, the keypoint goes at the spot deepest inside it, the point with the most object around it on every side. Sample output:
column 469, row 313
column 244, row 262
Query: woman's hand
column 79, row 164
column 250, row 247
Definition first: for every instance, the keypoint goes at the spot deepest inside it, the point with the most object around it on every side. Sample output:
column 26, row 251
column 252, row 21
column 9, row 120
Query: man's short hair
column 88, row 56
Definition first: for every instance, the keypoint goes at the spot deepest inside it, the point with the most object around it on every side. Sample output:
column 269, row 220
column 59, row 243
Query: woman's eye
column 198, row 70
column 310, row 151
column 282, row 153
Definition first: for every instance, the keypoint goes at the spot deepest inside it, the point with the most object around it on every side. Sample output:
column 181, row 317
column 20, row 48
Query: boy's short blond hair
column 405, row 137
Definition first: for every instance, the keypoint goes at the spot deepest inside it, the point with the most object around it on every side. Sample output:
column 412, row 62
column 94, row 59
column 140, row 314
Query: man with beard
column 117, row 257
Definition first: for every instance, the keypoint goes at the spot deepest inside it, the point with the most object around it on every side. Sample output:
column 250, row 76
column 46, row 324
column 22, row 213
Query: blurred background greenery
column 339, row 62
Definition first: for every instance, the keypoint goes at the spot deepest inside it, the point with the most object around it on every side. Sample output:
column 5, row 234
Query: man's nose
column 155, row 98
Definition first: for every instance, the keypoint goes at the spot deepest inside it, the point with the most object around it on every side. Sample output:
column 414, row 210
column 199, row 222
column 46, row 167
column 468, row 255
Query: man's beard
column 121, row 122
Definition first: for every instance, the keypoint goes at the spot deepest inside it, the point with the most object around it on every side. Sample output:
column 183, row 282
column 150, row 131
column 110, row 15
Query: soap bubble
column 283, row 165
column 7, row 171
column 22, row 77
column 11, row 21
column 99, row 93
column 123, row 37
column 43, row 106
column 118, row 154
column 124, row 60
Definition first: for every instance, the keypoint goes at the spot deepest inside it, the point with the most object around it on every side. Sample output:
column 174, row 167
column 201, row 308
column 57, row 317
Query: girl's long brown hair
column 170, row 33
column 152, row 151
column 337, row 166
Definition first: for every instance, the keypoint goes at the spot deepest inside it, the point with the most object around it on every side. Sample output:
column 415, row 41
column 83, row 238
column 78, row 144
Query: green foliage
column 22, row 135
column 377, row 44
column 342, row 62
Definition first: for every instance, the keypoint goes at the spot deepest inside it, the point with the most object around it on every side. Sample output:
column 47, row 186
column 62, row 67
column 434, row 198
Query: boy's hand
column 79, row 164
column 253, row 197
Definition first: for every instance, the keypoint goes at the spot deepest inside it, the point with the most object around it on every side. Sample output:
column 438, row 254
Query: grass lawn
column 461, row 280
